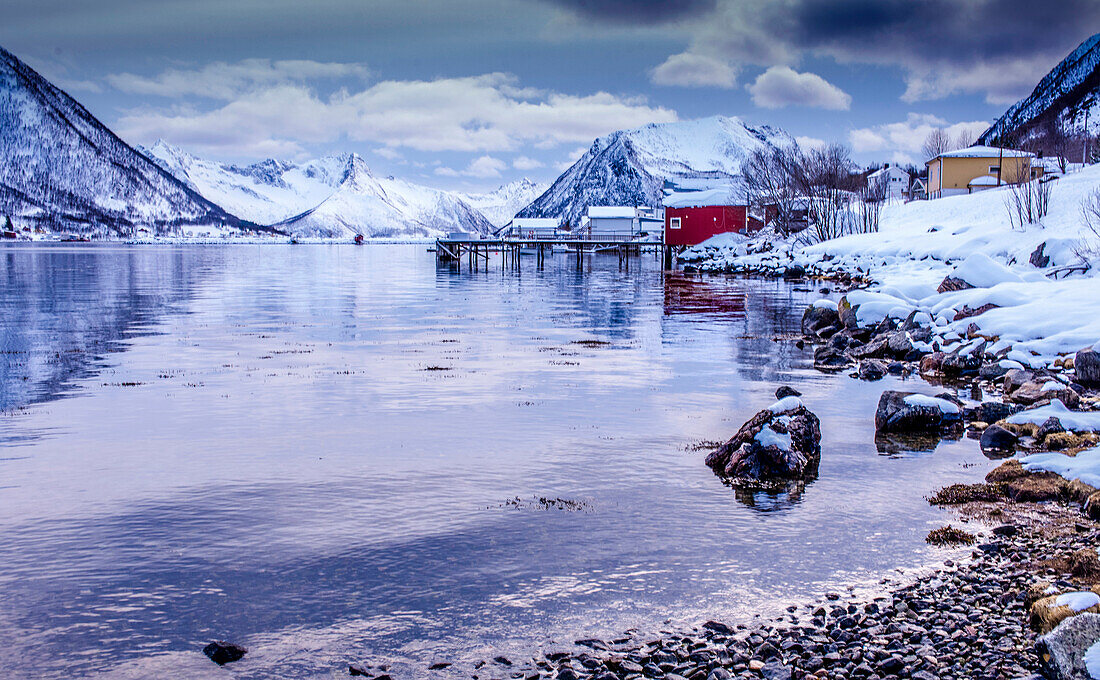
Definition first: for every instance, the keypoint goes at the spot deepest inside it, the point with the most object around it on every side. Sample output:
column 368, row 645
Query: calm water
column 247, row 443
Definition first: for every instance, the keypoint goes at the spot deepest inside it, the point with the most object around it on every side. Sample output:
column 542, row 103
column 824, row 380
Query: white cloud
column 781, row 86
column 904, row 139
column 526, row 163
column 444, row 171
column 224, row 81
column 473, row 114
column 694, row 70
column 387, row 152
column 483, row 167
column 808, row 143
column 1003, row 82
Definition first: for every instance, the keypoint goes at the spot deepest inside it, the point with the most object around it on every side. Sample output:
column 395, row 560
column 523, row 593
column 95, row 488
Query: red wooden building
column 693, row 217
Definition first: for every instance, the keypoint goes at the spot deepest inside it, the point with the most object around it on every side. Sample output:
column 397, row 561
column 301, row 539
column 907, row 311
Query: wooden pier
column 478, row 252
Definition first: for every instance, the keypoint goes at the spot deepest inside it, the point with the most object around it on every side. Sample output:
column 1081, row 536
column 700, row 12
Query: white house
column 622, row 221
column 894, row 179
column 534, row 227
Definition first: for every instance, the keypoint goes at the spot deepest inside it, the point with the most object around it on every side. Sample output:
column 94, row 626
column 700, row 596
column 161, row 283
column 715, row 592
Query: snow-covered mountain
column 501, row 205
column 629, row 167
column 1062, row 97
column 334, row 196
column 62, row 169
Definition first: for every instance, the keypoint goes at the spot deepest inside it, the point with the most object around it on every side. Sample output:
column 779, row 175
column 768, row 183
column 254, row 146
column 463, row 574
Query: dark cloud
column 638, row 11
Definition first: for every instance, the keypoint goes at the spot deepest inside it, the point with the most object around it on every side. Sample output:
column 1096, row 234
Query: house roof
column 700, row 199
column 893, row 169
column 535, row 223
column 984, row 152
column 599, row 211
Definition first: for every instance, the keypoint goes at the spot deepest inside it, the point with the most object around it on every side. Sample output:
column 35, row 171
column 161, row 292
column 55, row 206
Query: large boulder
column 779, row 444
column 847, row 313
column 1041, row 391
column 1087, row 365
column 818, row 317
column 1047, row 612
column 991, row 411
column 1062, row 651
column 911, row 412
column 222, row 652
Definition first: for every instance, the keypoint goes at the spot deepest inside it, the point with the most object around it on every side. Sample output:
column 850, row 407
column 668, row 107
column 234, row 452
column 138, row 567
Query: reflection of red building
column 693, row 217
column 690, row 295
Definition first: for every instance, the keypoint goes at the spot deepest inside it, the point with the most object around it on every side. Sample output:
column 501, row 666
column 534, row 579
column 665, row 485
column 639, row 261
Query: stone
column 996, row 439
column 1017, row 377
column 895, row 414
column 951, row 284
column 222, row 652
column 967, row 312
column 784, row 392
column 931, row 363
column 991, row 411
column 774, row 670
column 756, row 665
column 794, row 271
column 814, row 319
column 1037, row 258
column 772, row 446
column 847, row 313
column 1062, row 651
column 1050, row 426
column 871, row 370
column 829, row 359
column 1032, row 392
column 1087, row 365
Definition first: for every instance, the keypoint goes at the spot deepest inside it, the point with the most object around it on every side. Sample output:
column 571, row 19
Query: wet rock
column 785, row 391
column 997, row 440
column 794, row 271
column 1017, row 377
column 1062, row 651
column 222, row 652
column 782, row 442
column 1087, row 365
column 931, row 363
column 910, row 412
column 847, row 313
column 991, row 411
column 967, row 312
column 951, row 284
column 1046, row 614
column 1037, row 392
column 871, row 370
column 774, row 670
column 358, row 671
column 829, row 359
column 1050, row 426
column 1037, row 258
column 817, row 318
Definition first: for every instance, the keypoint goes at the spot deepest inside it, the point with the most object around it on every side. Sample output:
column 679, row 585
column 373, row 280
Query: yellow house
column 976, row 168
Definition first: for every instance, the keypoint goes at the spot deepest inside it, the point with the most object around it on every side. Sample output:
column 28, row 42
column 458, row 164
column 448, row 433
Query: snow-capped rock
column 63, row 170
column 629, row 167
column 1063, row 96
column 330, row 197
column 501, row 205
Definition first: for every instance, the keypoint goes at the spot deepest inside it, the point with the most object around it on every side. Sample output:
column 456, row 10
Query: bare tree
column 964, row 139
column 869, row 204
column 1028, row 200
column 938, row 142
column 772, row 185
column 1089, row 247
column 827, row 183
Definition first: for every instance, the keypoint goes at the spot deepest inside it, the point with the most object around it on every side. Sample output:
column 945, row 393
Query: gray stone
column 894, row 414
column 1087, row 365
column 1062, row 651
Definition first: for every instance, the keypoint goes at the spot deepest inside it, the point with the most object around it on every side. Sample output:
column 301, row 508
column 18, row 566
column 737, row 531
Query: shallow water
column 317, row 451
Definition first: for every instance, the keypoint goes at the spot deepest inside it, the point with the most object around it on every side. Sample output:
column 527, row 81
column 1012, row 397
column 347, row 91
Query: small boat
column 358, row 239
column 9, row 234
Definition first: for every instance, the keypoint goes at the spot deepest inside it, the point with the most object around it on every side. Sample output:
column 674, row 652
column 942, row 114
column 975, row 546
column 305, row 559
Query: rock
column 847, row 313
column 899, row 344
column 816, row 318
column 1050, row 426
column 1092, row 506
column 871, row 370
column 357, row 671
column 1017, row 377
column 794, row 271
column 951, row 284
column 222, row 652
column 1087, row 365
column 1046, row 614
column 918, row 414
column 992, row 371
column 1034, row 392
column 963, row 364
column 968, row 312
column 774, row 670
column 1005, row 530
column 991, row 411
column 1037, row 258
column 782, row 442
column 784, row 392
column 829, row 359
column 1062, row 651
column 996, row 439
column 718, row 627
column 931, row 363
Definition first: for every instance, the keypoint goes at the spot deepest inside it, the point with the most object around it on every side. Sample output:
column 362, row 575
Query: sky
column 470, row 94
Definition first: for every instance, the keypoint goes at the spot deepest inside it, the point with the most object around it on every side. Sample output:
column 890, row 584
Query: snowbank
column 967, row 237
column 1084, row 467
column 1076, row 421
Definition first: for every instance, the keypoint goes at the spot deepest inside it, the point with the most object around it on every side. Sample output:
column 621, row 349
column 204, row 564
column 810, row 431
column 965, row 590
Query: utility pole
column 1085, row 155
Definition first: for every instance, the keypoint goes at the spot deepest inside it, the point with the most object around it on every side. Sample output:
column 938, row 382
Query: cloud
column 387, row 152
column 694, row 70
column 224, row 81
column 808, row 143
column 485, row 167
column 477, row 114
column 637, row 11
column 526, row 163
column 781, row 86
column 904, row 139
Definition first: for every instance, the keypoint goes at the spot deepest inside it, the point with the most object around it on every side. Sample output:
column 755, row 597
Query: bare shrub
column 1028, row 200
column 828, row 185
column 770, row 181
column 869, row 207
column 1089, row 247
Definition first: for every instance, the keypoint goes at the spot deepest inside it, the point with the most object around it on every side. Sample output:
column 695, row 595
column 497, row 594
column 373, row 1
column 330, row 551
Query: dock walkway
column 478, row 251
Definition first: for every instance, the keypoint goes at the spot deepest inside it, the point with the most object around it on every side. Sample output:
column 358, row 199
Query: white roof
column 535, row 223
column 984, row 152
column 984, row 181
column 893, row 169
column 611, row 211
column 699, row 199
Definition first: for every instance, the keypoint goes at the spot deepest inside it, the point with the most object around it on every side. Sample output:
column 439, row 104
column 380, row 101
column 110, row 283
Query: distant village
column 819, row 193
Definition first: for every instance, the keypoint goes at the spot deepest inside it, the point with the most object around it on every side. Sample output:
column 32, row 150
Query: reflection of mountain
column 64, row 310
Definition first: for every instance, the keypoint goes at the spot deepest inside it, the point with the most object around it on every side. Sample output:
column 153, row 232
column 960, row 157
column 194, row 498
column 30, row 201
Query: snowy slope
column 332, row 197
column 381, row 207
column 971, row 237
column 1062, row 96
column 628, row 167
column 501, row 205
column 63, row 170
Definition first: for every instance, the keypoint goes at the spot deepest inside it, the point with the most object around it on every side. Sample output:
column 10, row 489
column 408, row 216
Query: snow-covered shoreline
column 1037, row 313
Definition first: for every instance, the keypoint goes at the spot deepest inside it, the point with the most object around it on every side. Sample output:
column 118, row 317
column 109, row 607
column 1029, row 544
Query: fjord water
column 317, row 451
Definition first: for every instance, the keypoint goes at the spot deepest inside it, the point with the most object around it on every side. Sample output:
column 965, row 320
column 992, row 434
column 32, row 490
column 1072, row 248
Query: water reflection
column 267, row 459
